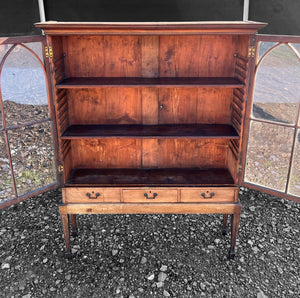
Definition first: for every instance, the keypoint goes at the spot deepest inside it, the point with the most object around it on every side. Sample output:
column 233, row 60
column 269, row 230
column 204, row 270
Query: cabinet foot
column 68, row 255
column 74, row 233
column 231, row 255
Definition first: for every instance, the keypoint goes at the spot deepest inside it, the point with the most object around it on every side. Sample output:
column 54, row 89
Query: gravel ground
column 150, row 255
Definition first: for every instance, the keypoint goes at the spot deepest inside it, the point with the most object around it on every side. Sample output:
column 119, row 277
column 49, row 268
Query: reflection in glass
column 6, row 184
column 3, row 51
column 277, row 86
column 32, row 156
column 296, row 46
column 294, row 185
column 23, row 87
column 268, row 155
column 37, row 48
column 263, row 47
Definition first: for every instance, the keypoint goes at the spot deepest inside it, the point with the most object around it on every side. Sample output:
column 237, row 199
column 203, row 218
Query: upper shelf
column 151, row 131
column 92, row 82
column 145, row 28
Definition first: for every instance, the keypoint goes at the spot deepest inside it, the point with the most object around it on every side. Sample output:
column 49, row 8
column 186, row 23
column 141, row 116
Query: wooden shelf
column 92, row 82
column 150, row 177
column 211, row 131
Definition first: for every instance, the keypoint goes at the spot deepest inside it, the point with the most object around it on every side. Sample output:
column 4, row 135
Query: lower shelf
column 150, row 177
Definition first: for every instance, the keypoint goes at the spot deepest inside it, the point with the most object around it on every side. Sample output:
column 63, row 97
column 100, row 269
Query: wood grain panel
column 150, row 56
column 204, row 56
column 167, row 208
column 105, row 106
column 150, row 153
column 84, row 56
column 192, row 153
column 212, row 194
column 91, row 195
column 242, row 43
column 177, row 105
column 153, row 195
column 122, row 56
column 109, row 56
column 57, row 48
column 213, row 105
column 107, row 153
column 150, row 105
column 123, row 106
column 87, row 106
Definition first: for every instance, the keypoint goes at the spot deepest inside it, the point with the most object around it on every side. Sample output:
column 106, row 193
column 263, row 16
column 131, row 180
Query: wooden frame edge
column 130, row 208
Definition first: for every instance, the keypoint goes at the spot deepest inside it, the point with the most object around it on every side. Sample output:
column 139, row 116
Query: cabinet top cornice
column 141, row 28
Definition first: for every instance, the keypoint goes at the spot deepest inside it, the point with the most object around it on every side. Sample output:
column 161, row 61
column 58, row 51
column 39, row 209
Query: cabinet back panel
column 108, row 56
column 192, row 153
column 105, row 106
column 149, row 105
column 112, row 153
column 139, row 153
column 196, row 56
column 150, row 56
column 202, row 105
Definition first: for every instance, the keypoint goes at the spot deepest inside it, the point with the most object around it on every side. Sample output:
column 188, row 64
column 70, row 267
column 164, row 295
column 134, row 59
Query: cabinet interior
column 150, row 109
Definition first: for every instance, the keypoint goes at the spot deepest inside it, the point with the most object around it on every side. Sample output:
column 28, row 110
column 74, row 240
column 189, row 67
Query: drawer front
column 150, row 195
column 91, row 195
column 212, row 194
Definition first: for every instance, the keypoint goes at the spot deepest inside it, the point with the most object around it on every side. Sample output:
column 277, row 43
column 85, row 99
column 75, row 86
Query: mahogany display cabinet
column 150, row 117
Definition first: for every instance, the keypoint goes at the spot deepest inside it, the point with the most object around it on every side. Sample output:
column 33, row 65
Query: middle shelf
column 92, row 82
column 214, row 131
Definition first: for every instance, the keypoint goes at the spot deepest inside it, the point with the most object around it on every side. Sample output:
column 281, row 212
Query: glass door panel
column 268, row 155
column 272, row 157
column 294, row 183
column 27, row 140
column 32, row 156
column 6, row 182
column 277, row 89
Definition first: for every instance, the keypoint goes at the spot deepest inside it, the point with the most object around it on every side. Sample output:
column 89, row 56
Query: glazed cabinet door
column 28, row 163
column 271, row 150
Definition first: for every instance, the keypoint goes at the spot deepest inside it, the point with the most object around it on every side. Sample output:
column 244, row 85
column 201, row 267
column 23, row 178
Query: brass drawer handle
column 150, row 198
column 206, row 196
column 90, row 196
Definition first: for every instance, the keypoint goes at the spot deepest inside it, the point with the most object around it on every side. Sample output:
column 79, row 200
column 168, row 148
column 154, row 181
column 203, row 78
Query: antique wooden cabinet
column 155, row 117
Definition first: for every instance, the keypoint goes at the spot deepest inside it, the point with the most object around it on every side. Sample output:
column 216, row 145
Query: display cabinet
column 159, row 118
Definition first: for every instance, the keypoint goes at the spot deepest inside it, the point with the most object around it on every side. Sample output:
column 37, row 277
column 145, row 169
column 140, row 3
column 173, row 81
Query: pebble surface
column 145, row 256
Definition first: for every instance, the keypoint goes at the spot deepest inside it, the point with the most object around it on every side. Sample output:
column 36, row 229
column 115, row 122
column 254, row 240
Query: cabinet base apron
column 68, row 214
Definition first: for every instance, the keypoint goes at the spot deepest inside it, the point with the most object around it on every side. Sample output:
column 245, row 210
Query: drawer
column 210, row 194
column 90, row 195
column 150, row 195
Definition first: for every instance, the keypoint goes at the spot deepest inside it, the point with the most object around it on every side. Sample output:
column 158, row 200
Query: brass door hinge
column 48, row 52
column 251, row 52
column 239, row 168
column 60, row 168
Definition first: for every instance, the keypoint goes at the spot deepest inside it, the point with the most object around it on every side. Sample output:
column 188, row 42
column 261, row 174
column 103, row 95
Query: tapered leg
column 74, row 225
column 224, row 230
column 65, row 224
column 235, row 219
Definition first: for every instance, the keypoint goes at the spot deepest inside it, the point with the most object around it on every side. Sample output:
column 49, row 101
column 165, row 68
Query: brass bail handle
column 90, row 195
column 150, row 198
column 207, row 196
